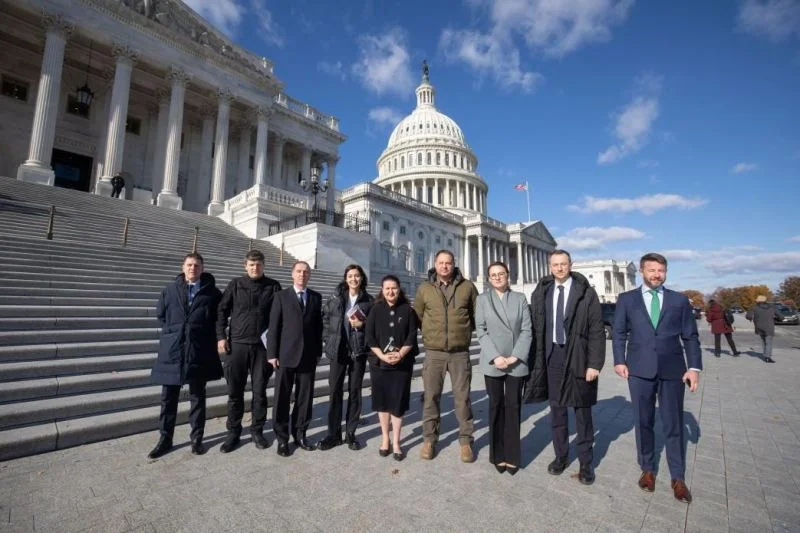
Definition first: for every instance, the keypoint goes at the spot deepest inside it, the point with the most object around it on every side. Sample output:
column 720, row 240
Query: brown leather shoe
column 681, row 491
column 466, row 453
column 427, row 452
column 648, row 481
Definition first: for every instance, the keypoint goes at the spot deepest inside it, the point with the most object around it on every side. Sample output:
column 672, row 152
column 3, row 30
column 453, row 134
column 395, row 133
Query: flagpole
column 528, row 197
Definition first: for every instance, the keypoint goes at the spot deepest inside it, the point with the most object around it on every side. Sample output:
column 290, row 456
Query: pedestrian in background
column 762, row 314
column 721, row 321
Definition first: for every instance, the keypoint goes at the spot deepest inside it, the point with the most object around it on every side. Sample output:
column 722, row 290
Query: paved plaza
column 743, row 430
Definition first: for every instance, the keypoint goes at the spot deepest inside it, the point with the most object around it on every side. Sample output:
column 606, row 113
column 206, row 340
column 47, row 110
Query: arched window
column 386, row 254
column 447, row 159
column 402, row 161
column 403, row 256
column 419, row 158
column 438, row 158
column 421, row 267
column 429, row 158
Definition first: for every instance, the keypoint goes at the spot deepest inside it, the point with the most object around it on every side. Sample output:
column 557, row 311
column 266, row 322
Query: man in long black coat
column 570, row 350
column 294, row 346
column 187, row 350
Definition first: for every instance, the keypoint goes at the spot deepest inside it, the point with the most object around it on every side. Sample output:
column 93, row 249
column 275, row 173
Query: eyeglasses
column 498, row 275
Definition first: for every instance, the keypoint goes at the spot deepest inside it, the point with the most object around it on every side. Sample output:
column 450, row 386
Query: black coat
column 247, row 302
column 586, row 342
column 398, row 324
column 295, row 336
column 334, row 330
column 187, row 347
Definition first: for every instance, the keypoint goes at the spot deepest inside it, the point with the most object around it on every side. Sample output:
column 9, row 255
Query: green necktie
column 655, row 307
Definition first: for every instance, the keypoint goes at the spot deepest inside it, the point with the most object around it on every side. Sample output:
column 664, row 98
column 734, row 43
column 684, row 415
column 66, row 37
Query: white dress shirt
column 567, row 285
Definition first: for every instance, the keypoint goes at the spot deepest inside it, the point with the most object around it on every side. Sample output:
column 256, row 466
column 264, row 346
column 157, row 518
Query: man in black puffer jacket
column 246, row 302
column 187, row 310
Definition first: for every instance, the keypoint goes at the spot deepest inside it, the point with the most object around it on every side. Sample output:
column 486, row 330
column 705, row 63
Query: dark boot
column 164, row 445
column 230, row 444
column 329, row 442
column 197, row 446
column 352, row 442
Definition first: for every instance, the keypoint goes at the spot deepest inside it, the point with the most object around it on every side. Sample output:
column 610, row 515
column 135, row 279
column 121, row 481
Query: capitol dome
column 428, row 159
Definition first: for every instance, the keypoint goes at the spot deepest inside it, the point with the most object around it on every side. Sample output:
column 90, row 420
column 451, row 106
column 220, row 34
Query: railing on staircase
column 322, row 216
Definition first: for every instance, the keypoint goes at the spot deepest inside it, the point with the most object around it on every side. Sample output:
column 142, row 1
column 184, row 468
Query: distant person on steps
column 117, row 184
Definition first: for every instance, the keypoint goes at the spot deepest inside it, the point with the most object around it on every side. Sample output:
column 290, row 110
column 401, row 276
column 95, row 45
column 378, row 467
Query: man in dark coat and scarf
column 569, row 350
column 187, row 350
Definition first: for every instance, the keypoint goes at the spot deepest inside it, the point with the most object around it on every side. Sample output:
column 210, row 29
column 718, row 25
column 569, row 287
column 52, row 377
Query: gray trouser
column 766, row 341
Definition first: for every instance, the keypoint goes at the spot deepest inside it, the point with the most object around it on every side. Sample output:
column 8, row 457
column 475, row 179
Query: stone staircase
column 78, row 333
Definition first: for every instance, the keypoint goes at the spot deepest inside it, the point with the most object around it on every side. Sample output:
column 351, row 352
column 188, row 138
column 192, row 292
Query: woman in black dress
column 392, row 339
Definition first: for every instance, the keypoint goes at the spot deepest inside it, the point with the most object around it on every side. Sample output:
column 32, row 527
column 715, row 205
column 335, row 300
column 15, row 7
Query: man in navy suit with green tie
column 655, row 336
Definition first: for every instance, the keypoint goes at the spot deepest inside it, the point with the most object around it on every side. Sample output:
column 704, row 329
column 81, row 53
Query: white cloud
column 553, row 28
column 739, row 168
column 633, row 123
column 777, row 20
column 594, row 237
column 647, row 205
column 332, row 69
column 785, row 262
column 385, row 116
column 796, row 238
column 268, row 31
column 489, row 54
column 384, row 65
column 225, row 15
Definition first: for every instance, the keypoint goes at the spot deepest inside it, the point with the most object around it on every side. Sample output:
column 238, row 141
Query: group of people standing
column 761, row 314
column 551, row 350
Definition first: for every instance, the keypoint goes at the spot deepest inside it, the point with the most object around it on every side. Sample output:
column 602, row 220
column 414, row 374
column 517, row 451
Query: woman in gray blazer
column 503, row 322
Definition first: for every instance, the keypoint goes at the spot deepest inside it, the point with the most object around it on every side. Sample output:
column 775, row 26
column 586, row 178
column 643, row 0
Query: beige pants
column 434, row 368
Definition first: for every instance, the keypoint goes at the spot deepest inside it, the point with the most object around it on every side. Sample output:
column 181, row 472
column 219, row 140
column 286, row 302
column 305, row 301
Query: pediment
column 539, row 231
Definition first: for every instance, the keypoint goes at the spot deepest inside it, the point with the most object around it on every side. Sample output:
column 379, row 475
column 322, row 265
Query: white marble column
column 203, row 177
column 436, row 192
column 262, row 132
column 157, row 172
column 520, row 263
column 243, row 170
column 168, row 197
column 447, row 193
column 36, row 169
column 277, row 160
column 467, row 259
column 224, row 98
column 330, row 199
column 306, row 164
column 530, row 275
column 117, row 117
column 481, row 270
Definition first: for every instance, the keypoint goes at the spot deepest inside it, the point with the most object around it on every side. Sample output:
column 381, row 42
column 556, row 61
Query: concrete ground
column 742, row 428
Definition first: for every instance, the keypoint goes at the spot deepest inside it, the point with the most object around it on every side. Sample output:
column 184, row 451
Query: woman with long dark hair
column 392, row 340
column 343, row 319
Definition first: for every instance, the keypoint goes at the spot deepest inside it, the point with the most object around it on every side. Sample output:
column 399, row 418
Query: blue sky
column 668, row 126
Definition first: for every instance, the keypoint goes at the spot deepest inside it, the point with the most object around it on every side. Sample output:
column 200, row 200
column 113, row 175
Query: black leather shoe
column 769, row 360
column 385, row 452
column 260, row 440
column 736, row 354
column 284, row 450
column 230, row 444
column 512, row 470
column 164, row 445
column 558, row 466
column 329, row 442
column 197, row 447
column 302, row 442
column 352, row 442
column 500, row 468
column 399, row 455
column 586, row 474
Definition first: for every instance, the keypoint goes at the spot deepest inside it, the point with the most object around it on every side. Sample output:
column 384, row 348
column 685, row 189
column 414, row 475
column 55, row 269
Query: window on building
column 403, row 256
column 133, row 125
column 251, row 162
column 15, row 88
column 75, row 108
column 421, row 261
column 449, row 243
column 429, row 158
column 420, row 235
column 438, row 239
column 447, row 159
column 386, row 254
column 419, row 158
column 402, row 161
column 385, row 225
column 402, row 230
column 438, row 158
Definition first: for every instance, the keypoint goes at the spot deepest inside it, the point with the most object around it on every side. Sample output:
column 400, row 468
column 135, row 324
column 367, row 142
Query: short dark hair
column 559, row 251
column 254, row 255
column 194, row 255
column 445, row 251
column 497, row 264
column 401, row 296
column 652, row 256
column 301, row 263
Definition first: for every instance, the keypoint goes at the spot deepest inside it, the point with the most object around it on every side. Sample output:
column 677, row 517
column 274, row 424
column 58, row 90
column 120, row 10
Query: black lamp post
column 84, row 94
column 314, row 186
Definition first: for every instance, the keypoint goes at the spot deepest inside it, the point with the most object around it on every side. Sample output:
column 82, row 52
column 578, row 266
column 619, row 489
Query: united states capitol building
column 149, row 90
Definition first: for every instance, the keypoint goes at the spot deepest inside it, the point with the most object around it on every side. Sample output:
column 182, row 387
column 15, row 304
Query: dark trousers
column 244, row 359
column 505, row 405
column 435, row 367
column 670, row 402
column 717, row 343
column 354, row 370
column 115, row 192
column 302, row 379
column 197, row 409
column 584, row 427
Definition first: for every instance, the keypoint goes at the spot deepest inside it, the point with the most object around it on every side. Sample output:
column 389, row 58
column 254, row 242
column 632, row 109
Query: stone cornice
column 121, row 52
column 170, row 23
column 57, row 23
column 328, row 133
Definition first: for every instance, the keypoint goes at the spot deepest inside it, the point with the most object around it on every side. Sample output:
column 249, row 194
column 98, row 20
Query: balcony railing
column 305, row 110
column 321, row 216
column 371, row 188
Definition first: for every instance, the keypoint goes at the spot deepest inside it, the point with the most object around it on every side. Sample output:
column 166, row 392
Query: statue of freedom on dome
column 425, row 70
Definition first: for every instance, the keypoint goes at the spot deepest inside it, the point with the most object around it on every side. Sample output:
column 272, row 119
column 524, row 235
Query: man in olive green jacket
column 445, row 305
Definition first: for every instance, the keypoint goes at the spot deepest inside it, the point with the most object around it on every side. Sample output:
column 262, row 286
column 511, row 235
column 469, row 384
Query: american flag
column 521, row 187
